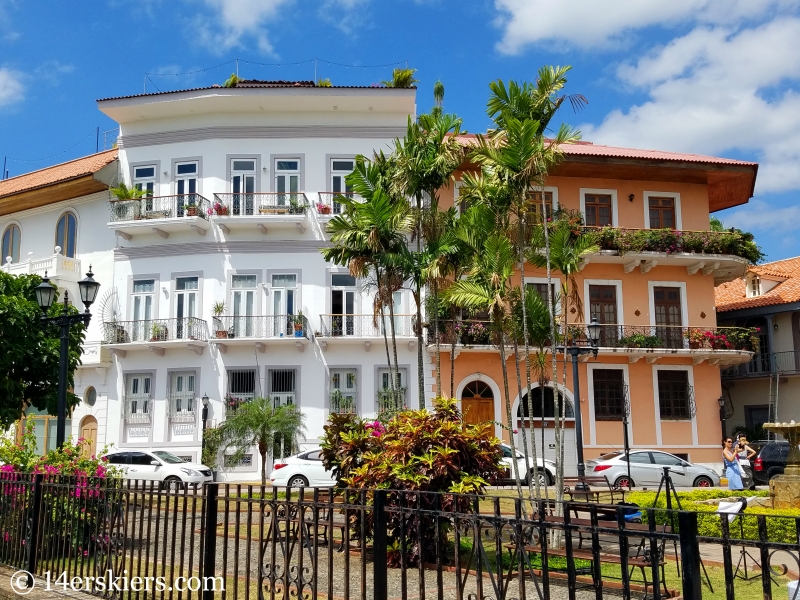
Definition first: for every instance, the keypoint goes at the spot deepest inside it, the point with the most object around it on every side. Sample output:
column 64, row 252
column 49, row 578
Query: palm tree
column 260, row 423
column 488, row 287
column 401, row 78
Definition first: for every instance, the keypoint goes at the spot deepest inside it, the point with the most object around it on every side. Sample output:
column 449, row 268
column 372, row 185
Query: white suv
column 168, row 470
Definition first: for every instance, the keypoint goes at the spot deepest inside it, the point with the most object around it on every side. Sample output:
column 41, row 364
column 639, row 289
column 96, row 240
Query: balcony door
column 662, row 213
column 343, row 303
column 243, row 186
column 667, row 305
column 287, row 181
column 185, row 186
column 186, row 289
column 340, row 169
column 598, row 210
column 603, row 307
column 243, row 303
column 284, row 292
column 142, row 304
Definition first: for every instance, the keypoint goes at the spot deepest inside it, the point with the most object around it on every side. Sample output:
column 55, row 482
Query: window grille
column 138, row 397
column 282, row 386
column 245, row 461
column 182, row 402
column 242, row 387
column 343, row 391
column 675, row 395
column 609, row 394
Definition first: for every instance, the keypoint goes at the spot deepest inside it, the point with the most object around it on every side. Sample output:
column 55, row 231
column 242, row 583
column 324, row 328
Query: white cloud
column 714, row 90
column 11, row 88
column 238, row 19
column 52, row 70
column 589, row 23
column 757, row 215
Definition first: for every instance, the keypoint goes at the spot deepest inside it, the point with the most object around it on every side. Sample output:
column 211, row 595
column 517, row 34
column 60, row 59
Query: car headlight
column 190, row 472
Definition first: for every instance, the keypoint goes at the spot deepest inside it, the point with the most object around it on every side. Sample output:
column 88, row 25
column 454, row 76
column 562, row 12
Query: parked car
column 302, row 470
column 168, row 470
column 647, row 468
column 305, row 469
column 770, row 461
column 545, row 468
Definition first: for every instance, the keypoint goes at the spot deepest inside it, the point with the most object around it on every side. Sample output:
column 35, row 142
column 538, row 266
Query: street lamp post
column 593, row 329
column 722, row 416
column 45, row 295
column 205, row 422
column 626, row 413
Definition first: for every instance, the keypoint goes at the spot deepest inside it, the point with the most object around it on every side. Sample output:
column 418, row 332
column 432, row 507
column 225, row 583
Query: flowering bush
column 218, row 209
column 323, row 209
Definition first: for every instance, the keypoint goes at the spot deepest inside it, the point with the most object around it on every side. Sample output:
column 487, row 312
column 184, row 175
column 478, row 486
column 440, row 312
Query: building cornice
column 232, row 247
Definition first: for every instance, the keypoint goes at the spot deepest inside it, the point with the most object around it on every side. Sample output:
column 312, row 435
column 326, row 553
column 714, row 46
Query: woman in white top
column 745, row 453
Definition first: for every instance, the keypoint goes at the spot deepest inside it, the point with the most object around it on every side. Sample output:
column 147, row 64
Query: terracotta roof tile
column 86, row 165
column 733, row 295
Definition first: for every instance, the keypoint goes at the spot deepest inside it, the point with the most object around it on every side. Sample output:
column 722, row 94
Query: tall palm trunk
column 453, row 342
column 512, row 443
column 385, row 339
column 394, row 374
column 436, row 332
column 262, row 450
column 418, row 300
column 529, row 475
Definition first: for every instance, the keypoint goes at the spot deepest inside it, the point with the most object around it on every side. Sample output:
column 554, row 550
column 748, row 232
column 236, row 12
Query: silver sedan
column 647, row 468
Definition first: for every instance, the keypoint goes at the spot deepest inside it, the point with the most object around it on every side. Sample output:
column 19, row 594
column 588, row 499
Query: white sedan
column 302, row 470
column 546, row 469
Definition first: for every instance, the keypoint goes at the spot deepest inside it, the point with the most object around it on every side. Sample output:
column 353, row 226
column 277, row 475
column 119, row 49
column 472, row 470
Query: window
column 186, row 179
column 598, row 210
column 144, row 178
column 137, row 397
column 282, row 388
column 120, row 458
column 243, row 185
column 343, row 391
column 662, row 213
column 549, row 405
column 640, row 458
column 287, row 180
column 534, row 205
column 340, row 169
column 666, row 460
column 603, row 307
column 461, row 204
column 343, row 304
column 541, row 289
column 186, row 290
column 142, row 307
column 667, row 305
column 313, row 455
column 675, row 395
column 284, row 299
column 610, row 394
column 243, row 301
column 754, row 289
column 11, row 237
column 181, row 396
column 90, row 396
column 386, row 401
column 66, row 232
column 45, row 428
column 241, row 388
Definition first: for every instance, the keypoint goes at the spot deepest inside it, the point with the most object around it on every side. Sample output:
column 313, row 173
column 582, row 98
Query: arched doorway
column 546, row 409
column 89, row 432
column 477, row 402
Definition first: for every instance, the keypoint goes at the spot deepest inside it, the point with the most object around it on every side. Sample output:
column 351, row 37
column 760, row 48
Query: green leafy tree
column 401, row 78
column 31, row 351
column 231, row 81
column 260, row 423
column 123, row 192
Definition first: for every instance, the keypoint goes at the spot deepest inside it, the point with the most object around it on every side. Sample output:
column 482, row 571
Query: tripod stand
column 669, row 489
column 741, row 567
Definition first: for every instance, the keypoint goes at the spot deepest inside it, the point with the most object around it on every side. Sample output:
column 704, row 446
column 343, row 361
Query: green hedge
column 709, row 522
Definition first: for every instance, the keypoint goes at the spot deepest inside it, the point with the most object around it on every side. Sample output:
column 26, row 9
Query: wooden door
column 477, row 403
column 89, row 433
column 667, row 304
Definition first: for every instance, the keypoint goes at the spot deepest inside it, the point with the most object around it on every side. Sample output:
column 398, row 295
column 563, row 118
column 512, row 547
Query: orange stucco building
column 652, row 304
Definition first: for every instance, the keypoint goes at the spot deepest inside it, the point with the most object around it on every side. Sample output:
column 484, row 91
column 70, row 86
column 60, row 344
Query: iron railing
column 365, row 326
column 330, row 203
column 182, row 407
column 765, row 364
column 261, row 327
column 477, row 333
column 343, row 403
column 155, row 330
column 390, row 402
column 160, row 207
column 245, row 541
column 259, row 204
column 137, row 408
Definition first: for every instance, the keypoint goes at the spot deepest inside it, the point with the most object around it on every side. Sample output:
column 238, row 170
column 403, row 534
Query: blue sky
column 700, row 76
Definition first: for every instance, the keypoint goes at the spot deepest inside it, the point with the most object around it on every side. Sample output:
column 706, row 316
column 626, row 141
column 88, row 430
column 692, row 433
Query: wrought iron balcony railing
column 365, row 326
column 137, row 408
column 478, row 333
column 330, row 203
column 155, row 330
column 390, row 402
column 259, row 204
column 342, row 403
column 765, row 364
column 252, row 327
column 160, row 207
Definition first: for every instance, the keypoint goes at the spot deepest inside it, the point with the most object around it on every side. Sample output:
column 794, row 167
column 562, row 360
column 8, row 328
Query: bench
column 639, row 556
column 572, row 489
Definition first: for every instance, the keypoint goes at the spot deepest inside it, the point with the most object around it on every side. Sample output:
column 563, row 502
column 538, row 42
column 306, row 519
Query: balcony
column 261, row 211
column 388, row 403
column 723, row 254
column 342, row 404
column 161, row 215
column 764, row 365
column 366, row 329
column 59, row 268
column 156, row 335
column 260, row 331
column 181, row 407
column 330, row 203
column 137, row 408
column 723, row 346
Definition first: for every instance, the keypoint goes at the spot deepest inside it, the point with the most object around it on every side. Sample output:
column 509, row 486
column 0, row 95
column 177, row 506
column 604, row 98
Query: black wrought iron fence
column 244, row 541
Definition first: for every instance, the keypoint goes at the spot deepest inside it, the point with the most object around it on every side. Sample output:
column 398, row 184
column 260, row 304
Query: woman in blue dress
column 729, row 459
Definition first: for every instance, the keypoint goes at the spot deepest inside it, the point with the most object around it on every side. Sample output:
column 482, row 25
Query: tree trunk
column 385, row 339
column 436, row 332
column 262, row 450
column 393, row 373
column 453, row 358
column 512, row 442
column 528, row 474
column 420, row 367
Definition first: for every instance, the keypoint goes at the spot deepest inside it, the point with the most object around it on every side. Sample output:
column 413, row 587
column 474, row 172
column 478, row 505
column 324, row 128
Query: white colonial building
column 241, row 182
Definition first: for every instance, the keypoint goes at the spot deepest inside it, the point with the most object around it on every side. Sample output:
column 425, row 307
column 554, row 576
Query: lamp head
column 206, row 401
column 593, row 329
column 45, row 294
column 88, row 288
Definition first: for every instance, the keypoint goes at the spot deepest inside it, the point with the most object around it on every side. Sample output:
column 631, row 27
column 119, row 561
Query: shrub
column 417, row 451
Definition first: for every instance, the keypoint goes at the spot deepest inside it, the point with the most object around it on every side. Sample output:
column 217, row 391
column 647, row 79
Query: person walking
column 731, row 463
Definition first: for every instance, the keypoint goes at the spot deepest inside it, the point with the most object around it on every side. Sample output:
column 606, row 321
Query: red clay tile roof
column 79, row 167
column 733, row 295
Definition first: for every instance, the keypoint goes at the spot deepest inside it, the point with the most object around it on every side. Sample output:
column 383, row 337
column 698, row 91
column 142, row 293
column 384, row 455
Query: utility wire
column 33, row 160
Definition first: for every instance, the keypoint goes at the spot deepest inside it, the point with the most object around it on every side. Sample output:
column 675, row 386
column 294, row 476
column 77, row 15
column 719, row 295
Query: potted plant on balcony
column 216, row 310
column 696, row 337
column 218, row 209
column 191, row 208
column 158, row 332
column 323, row 209
column 298, row 324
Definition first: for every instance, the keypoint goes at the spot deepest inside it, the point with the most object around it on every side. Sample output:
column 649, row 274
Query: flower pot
column 694, row 345
column 298, row 333
column 221, row 334
column 191, row 211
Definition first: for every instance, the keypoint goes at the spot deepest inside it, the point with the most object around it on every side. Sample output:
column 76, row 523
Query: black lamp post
column 205, row 422
column 593, row 329
column 626, row 413
column 722, row 416
column 45, row 295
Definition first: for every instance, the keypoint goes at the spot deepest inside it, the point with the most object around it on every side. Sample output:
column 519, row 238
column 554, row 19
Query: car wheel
column 172, row 484
column 298, row 481
column 703, row 482
column 542, row 476
column 623, row 482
